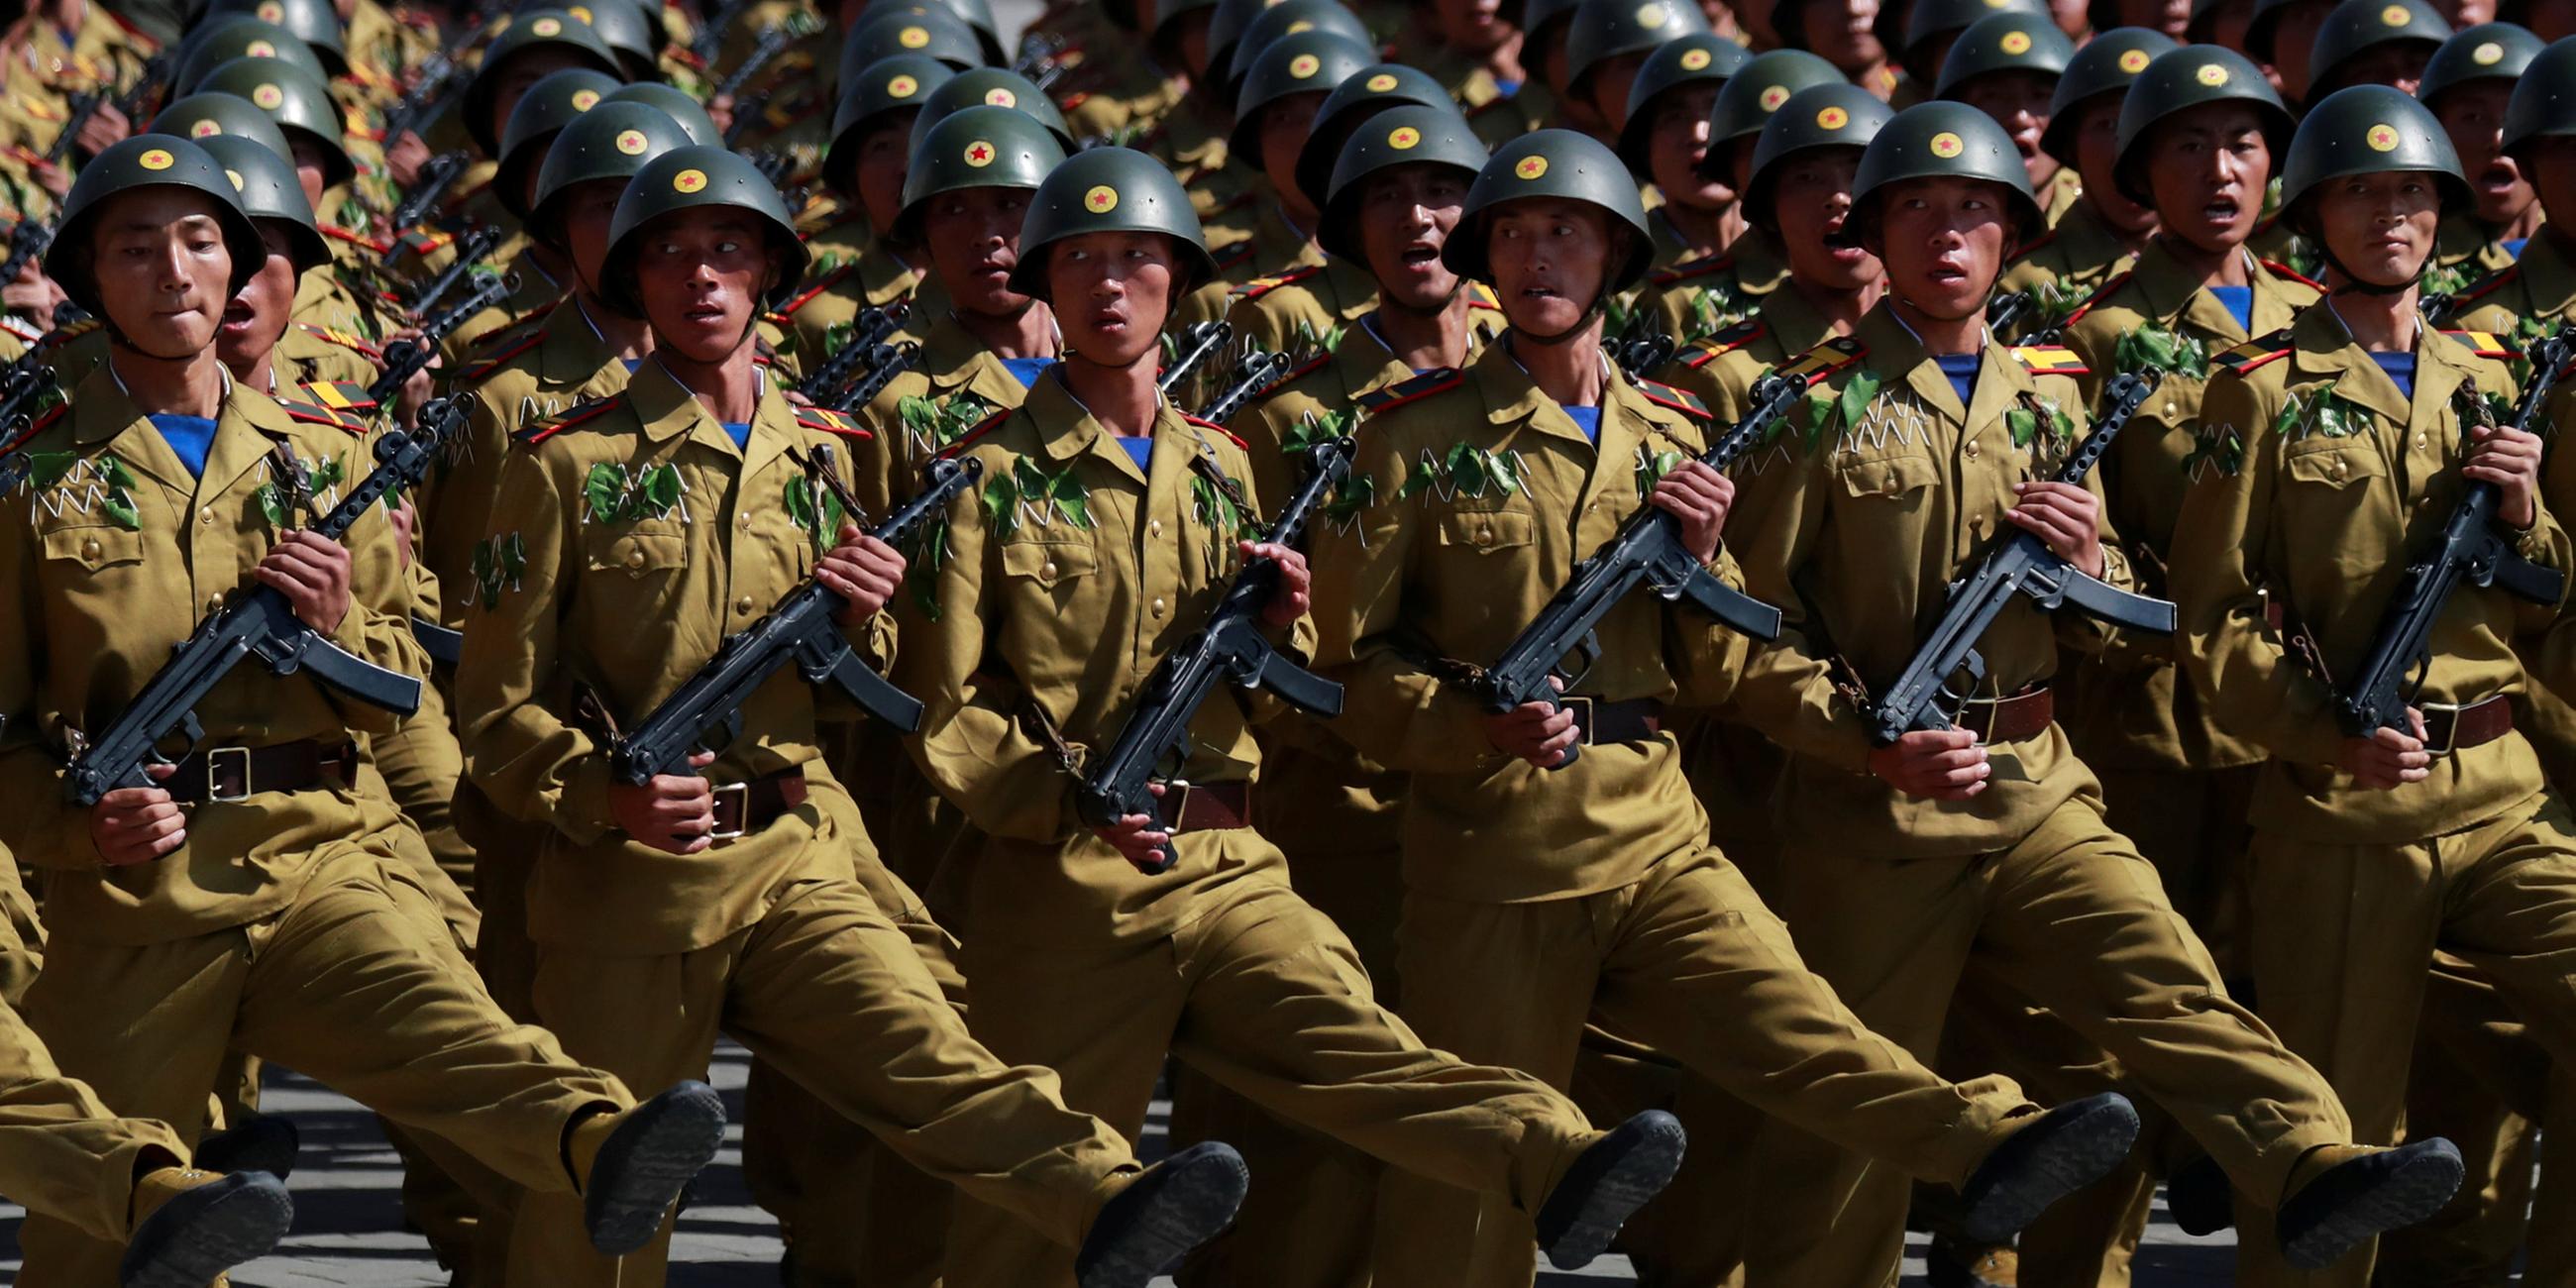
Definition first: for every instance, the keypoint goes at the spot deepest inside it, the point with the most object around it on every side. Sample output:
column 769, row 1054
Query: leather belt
column 1205, row 807
column 2000, row 720
column 745, row 808
column 233, row 773
column 1597, row 722
column 2449, row 728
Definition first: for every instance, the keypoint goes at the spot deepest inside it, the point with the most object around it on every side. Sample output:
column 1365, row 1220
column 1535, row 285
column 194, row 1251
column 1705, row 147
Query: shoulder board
column 20, row 328
column 355, row 238
column 338, row 395
column 2280, row 269
column 1699, row 353
column 1498, row 100
column 1234, row 254
column 829, row 280
column 1073, row 101
column 421, row 241
column 1401, row 392
column 2485, row 286
column 975, row 435
column 831, row 422
column 513, row 331
column 2483, row 344
column 1825, row 359
column 499, row 358
column 1481, row 296
column 1234, row 203
column 1678, row 399
column 317, row 414
column 66, row 334
column 344, row 340
column 1260, row 286
column 1209, row 424
column 1290, row 376
column 2033, row 248
column 2244, row 358
column 2051, row 360
column 1690, row 268
column 536, row 432
column 2100, row 293
column 42, row 424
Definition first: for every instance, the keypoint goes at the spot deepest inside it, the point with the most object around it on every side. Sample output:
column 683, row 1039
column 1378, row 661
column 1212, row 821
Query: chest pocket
column 2339, row 466
column 1050, row 565
column 1488, row 533
column 94, row 547
column 635, row 553
column 1890, row 477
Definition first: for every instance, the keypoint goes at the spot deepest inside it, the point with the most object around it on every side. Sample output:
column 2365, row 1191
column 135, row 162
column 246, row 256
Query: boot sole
column 641, row 1171
column 2079, row 1151
column 207, row 1231
column 1192, row 1205
column 2411, row 1193
column 1632, row 1180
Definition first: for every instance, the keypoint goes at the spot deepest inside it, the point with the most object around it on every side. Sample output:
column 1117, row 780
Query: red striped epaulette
column 313, row 413
column 831, row 422
column 338, row 395
column 355, row 238
column 829, row 280
column 499, row 358
column 1699, row 353
column 1260, row 286
column 1825, row 359
column 1436, row 380
column 2483, row 344
column 2100, row 293
column 525, row 325
column 21, row 328
column 2484, row 286
column 536, row 432
column 2033, row 248
column 2254, row 353
column 1234, row 254
column 344, row 340
column 1690, row 268
column 975, row 435
column 1481, row 296
column 2283, row 270
column 1680, row 400
column 1209, row 424
column 422, row 242
column 1290, row 376
column 42, row 424
column 2051, row 360
column 69, row 332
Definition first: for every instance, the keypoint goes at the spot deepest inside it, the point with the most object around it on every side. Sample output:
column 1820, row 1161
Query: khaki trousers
column 1263, row 994
column 829, row 991
column 62, row 1154
column 2077, row 920
column 2343, row 939
column 349, row 986
column 1690, row 961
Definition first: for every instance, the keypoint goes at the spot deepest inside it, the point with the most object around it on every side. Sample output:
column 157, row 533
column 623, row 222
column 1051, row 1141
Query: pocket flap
column 1889, row 475
column 1501, row 530
column 95, row 546
column 2334, row 467
column 1049, row 562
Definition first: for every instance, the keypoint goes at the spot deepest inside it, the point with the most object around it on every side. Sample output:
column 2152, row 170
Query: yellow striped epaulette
column 1481, row 296
column 536, row 432
column 822, row 284
column 831, row 422
column 1825, row 359
column 1680, row 400
column 520, row 342
column 1699, row 353
column 2483, row 344
column 1260, row 286
column 2051, row 360
column 296, row 402
column 69, row 332
column 344, row 340
column 1436, row 380
column 338, row 395
column 1690, row 268
column 1290, row 376
column 355, row 238
column 422, row 242
column 2245, row 358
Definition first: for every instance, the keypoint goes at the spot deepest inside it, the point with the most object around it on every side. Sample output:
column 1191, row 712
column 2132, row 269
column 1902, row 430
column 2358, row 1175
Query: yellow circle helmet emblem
column 902, row 87
column 913, row 37
column 1833, row 118
column 2016, row 42
column 235, row 176
column 2394, row 15
column 979, row 153
column 1945, row 144
column 689, row 181
column 1694, row 59
column 1531, row 167
column 1650, row 14
column 2134, row 61
column 1773, row 96
column 272, row 11
column 1001, row 96
column 2488, row 54
column 268, row 96
column 1304, row 66
column 1299, row 27
column 632, row 143
column 584, row 99
column 1100, row 200
column 259, row 49
column 1404, row 138
column 1381, row 83
column 547, row 27
column 2212, row 74
column 580, row 11
column 2381, row 138
column 205, row 129
column 156, row 159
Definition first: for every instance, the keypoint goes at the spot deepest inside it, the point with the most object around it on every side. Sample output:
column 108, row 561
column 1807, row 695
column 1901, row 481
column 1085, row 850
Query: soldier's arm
column 450, row 516
column 1788, row 686
column 2546, row 542
column 39, row 825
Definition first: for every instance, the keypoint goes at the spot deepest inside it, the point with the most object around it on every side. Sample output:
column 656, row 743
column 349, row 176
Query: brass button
column 1972, row 449
column 2419, row 442
column 2339, row 471
column 746, row 520
column 90, row 548
column 743, row 605
column 1153, row 527
column 214, row 603
column 1159, row 606
column 1484, row 534
column 635, row 557
column 2169, row 406
column 206, row 515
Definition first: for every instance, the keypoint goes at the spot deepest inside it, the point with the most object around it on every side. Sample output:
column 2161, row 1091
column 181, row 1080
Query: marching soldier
column 333, row 295
column 2528, row 298
column 1479, row 61
column 1284, row 85
column 1931, row 29
column 1666, row 138
column 2374, row 42
column 2469, row 84
column 57, row 49
column 870, row 154
column 1607, row 44
column 2103, row 228
column 2008, row 66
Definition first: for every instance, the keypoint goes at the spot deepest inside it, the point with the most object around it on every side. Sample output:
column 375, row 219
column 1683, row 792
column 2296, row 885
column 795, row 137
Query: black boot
column 196, row 1225
column 2364, row 1196
column 1609, row 1181
column 1178, row 1204
column 2070, row 1147
column 648, row 1158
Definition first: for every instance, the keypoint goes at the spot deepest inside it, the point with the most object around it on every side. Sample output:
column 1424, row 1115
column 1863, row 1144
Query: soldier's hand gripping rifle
column 803, row 631
column 80, row 110
column 1230, row 648
column 261, row 626
column 405, row 357
column 436, row 176
column 27, row 245
column 2472, row 549
column 470, row 250
column 1646, row 552
column 2016, row 565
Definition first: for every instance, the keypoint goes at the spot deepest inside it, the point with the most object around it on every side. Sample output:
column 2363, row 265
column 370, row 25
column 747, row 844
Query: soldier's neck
column 2522, row 226
column 2379, row 323
column 1942, row 336
column 1567, row 368
column 728, row 388
column 1421, row 340
column 1123, row 399
column 259, row 373
column 1029, row 333
column 1842, row 310
column 624, row 337
column 1707, row 231
column 2228, row 266
column 189, row 386
column 1503, row 62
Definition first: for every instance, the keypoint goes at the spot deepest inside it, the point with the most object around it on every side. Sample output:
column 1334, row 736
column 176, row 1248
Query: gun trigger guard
column 1587, row 653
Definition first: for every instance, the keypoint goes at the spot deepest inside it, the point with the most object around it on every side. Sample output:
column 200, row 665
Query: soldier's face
column 1550, row 259
column 1841, row 33
column 1473, row 26
column 2553, row 167
column 1944, row 241
column 701, row 274
column 163, row 271
column 312, row 166
column 525, row 69
column 2097, row 152
column 2380, row 227
column 1609, row 80
column 2398, row 64
column 1406, row 215
column 1812, row 198
column 974, row 240
column 2018, row 101
column 1284, row 127
column 2465, row 13
column 258, row 314
column 2293, row 34
column 2473, row 115
column 2167, row 16
column 584, row 212
column 2207, row 168
column 1675, row 143
column 885, row 154
column 1111, row 293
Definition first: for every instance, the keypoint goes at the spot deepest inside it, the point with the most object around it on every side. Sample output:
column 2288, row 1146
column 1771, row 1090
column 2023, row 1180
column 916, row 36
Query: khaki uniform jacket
column 1721, row 369
column 2325, row 522
column 1321, row 293
column 2519, row 303
column 125, row 552
column 1698, row 299
column 625, row 606
column 1473, row 496
column 1495, row 116
column 45, row 66
column 2076, row 257
column 1059, row 587
column 2464, row 253
column 957, row 374
column 307, row 354
column 2133, row 709
column 819, row 318
column 1865, row 525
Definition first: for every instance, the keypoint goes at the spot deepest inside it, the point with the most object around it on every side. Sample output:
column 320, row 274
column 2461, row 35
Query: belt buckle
column 1175, row 804
column 1581, row 706
column 2447, row 715
column 228, row 764
column 733, row 799
column 1978, row 716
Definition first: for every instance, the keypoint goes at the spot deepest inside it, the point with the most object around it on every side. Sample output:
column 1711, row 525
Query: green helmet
column 1361, row 95
column 1535, row 16
column 1166, row 30
column 1564, row 164
column 990, row 87
column 1745, row 104
column 315, row 22
column 1310, row 62
column 1110, row 190
column 202, row 116
column 978, row 14
column 888, row 32
column 623, row 26
column 301, row 105
column 899, row 84
column 675, row 103
column 529, row 30
column 2006, row 42
column 1944, row 140
column 2107, row 64
column 548, row 106
column 240, row 36
column 611, row 141
column 2358, row 26
column 1815, row 118
column 1290, row 18
column 146, row 161
column 1931, row 18
column 1412, row 134
column 1225, row 28
column 2544, row 100
column 2367, row 129
column 1607, row 29
column 1700, row 58
column 270, row 190
column 688, row 179
column 975, row 147
column 2488, row 51
column 2179, row 80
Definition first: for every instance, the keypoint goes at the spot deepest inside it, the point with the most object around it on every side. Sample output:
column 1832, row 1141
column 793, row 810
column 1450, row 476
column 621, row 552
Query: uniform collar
column 2084, row 237
column 1067, row 429
column 2327, row 352
column 1512, row 397
column 2172, row 295
column 248, row 424
column 666, row 410
column 571, row 349
column 2548, row 274
column 1760, row 264
column 952, row 359
column 1893, row 347
column 1349, row 289
column 1795, row 322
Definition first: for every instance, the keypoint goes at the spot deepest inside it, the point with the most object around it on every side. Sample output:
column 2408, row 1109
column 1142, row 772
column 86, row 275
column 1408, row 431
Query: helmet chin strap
column 2352, row 283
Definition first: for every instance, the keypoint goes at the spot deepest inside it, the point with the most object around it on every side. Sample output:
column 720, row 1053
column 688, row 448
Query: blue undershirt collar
column 2239, row 301
column 1139, row 450
column 1027, row 370
column 189, row 436
column 1587, row 419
